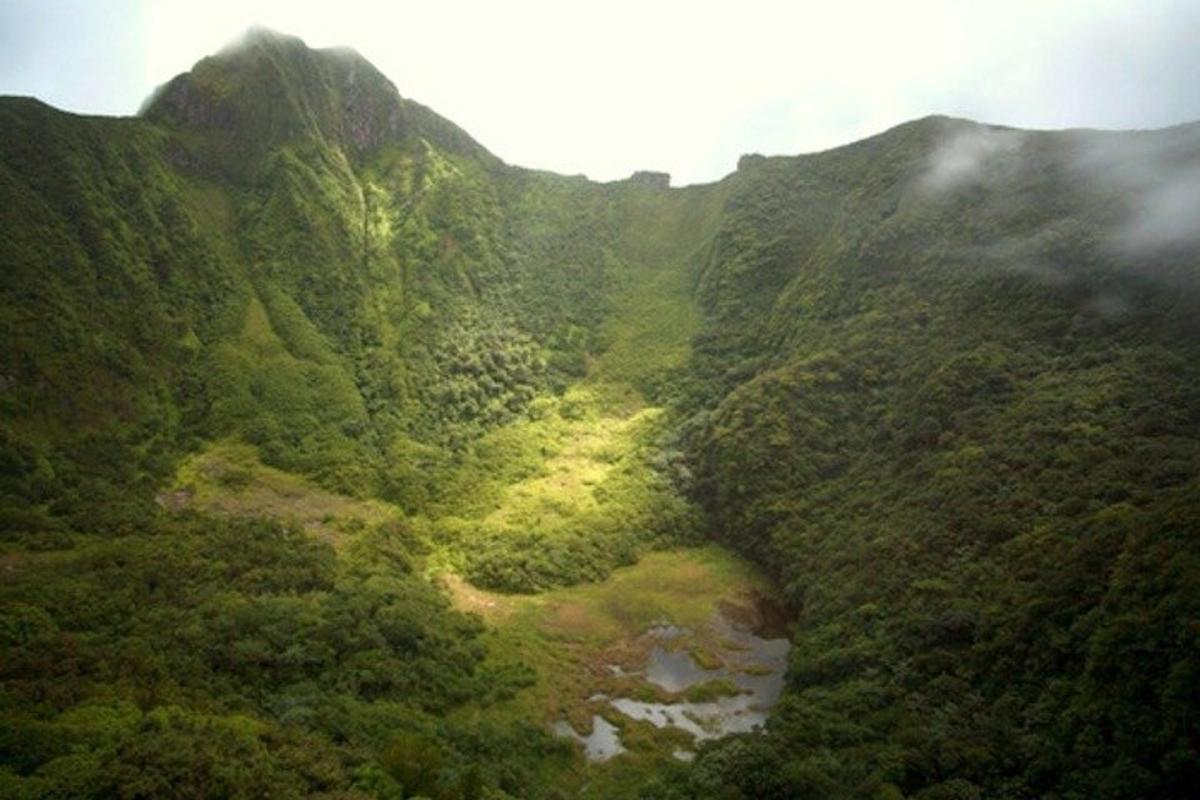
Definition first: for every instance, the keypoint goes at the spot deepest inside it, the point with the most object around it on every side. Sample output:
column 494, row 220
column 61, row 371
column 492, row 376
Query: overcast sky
column 607, row 87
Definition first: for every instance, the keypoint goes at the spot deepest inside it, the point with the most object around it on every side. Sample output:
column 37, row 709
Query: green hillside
column 311, row 407
column 960, row 422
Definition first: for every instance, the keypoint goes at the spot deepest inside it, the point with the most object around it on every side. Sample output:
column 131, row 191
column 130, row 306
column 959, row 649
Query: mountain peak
column 268, row 89
column 262, row 36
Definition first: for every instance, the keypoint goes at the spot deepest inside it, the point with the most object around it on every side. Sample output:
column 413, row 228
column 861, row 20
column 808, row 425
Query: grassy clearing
column 552, row 462
column 227, row 479
column 582, row 455
column 573, row 637
column 562, row 498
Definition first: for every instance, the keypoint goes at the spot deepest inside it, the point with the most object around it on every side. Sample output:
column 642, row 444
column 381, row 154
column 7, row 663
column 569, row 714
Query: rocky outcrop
column 654, row 180
column 750, row 161
column 268, row 90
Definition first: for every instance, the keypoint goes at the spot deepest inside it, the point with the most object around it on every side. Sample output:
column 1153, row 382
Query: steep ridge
column 948, row 390
column 941, row 383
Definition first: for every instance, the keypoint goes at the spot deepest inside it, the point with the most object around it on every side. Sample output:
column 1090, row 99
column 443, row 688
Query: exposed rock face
column 655, row 180
column 368, row 118
column 750, row 161
column 184, row 102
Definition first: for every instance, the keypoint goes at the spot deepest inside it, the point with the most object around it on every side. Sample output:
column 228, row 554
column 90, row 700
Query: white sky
column 605, row 88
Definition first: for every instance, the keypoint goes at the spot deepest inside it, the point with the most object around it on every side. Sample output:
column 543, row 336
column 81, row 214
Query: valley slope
column 942, row 385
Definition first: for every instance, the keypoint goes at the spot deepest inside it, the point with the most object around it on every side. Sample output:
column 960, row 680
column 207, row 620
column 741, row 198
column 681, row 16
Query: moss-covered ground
column 574, row 637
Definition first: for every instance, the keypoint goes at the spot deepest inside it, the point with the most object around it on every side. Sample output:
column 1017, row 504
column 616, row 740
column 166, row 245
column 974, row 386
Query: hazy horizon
column 607, row 90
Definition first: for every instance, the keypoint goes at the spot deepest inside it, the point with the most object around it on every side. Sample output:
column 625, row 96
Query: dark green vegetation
column 964, row 424
column 244, row 659
column 944, row 384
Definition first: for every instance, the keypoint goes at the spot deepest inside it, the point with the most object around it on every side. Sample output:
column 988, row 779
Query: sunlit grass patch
column 563, row 498
column 227, row 479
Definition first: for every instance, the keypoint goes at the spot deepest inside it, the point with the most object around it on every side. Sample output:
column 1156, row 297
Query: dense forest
column 294, row 372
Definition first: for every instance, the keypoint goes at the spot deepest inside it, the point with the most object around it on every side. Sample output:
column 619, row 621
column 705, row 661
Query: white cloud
column 1157, row 179
column 1168, row 215
column 970, row 155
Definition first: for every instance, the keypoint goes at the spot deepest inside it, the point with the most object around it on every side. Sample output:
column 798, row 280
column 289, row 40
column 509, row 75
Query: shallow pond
column 734, row 653
column 752, row 663
column 600, row 745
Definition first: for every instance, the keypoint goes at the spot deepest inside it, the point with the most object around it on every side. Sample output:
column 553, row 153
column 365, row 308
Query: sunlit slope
column 662, row 241
column 285, row 251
